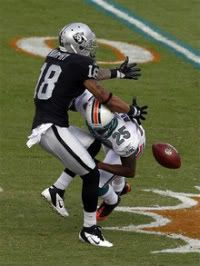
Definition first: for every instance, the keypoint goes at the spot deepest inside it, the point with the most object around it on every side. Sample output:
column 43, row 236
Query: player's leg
column 65, row 146
column 120, row 186
column 110, row 201
column 92, row 145
column 110, row 193
column 55, row 193
column 119, row 183
column 110, row 198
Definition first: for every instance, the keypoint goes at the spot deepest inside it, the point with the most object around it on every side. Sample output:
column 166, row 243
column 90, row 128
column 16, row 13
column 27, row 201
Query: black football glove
column 128, row 71
column 137, row 112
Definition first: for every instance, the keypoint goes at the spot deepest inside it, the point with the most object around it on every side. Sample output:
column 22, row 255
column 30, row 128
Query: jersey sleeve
column 126, row 151
column 81, row 102
column 85, row 68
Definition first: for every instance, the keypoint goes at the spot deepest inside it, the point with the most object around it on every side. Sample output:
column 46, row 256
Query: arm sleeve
column 81, row 102
column 85, row 68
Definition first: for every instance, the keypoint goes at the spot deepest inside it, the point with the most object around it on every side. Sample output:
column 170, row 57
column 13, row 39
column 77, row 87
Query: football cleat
column 55, row 197
column 93, row 235
column 126, row 189
column 105, row 210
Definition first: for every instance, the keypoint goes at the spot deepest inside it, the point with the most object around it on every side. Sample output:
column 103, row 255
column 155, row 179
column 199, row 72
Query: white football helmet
column 100, row 120
column 77, row 38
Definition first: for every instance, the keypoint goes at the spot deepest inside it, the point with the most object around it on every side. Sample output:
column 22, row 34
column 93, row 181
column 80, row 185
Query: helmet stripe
column 92, row 112
column 99, row 113
column 96, row 112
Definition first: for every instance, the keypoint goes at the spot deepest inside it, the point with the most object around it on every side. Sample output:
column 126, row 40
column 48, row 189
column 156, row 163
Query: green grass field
column 30, row 232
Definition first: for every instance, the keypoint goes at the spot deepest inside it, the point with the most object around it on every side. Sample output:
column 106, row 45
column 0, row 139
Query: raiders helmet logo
column 78, row 37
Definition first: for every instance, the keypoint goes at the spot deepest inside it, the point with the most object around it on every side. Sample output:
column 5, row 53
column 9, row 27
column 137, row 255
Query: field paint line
column 192, row 245
column 1, row 189
column 160, row 220
column 129, row 18
column 41, row 46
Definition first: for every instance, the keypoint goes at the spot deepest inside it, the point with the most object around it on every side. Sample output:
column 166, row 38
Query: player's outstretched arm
column 127, row 168
column 114, row 103
column 124, row 71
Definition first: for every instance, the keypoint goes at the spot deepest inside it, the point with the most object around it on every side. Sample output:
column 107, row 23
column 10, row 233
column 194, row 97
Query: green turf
column 30, row 233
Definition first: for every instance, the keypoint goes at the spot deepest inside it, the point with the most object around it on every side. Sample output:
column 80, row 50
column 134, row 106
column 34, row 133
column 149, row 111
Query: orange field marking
column 41, row 46
column 180, row 221
column 183, row 221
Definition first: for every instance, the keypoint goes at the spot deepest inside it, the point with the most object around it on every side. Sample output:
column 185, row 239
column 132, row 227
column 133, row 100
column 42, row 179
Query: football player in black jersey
column 65, row 74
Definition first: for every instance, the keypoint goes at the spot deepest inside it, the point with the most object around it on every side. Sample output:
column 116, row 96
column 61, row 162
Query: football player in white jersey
column 123, row 141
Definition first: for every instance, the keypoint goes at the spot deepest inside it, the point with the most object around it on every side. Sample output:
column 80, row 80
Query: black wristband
column 131, row 110
column 109, row 97
column 113, row 73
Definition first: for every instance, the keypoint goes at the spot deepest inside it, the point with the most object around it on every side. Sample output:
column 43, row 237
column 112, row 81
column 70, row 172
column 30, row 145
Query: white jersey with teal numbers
column 127, row 138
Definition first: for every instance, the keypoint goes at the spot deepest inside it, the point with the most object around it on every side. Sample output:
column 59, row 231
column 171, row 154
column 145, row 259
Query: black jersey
column 61, row 80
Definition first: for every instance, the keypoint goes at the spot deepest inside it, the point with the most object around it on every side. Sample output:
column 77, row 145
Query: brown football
column 166, row 155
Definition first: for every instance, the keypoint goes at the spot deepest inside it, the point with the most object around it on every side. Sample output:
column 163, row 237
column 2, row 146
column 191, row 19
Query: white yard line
column 149, row 31
column 187, row 201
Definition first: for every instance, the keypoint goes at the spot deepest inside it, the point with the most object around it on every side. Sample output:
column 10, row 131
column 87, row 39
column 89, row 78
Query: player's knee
column 103, row 190
column 92, row 176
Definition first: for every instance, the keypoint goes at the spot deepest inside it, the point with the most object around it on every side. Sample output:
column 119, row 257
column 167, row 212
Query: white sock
column 89, row 219
column 63, row 181
column 110, row 197
column 118, row 183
